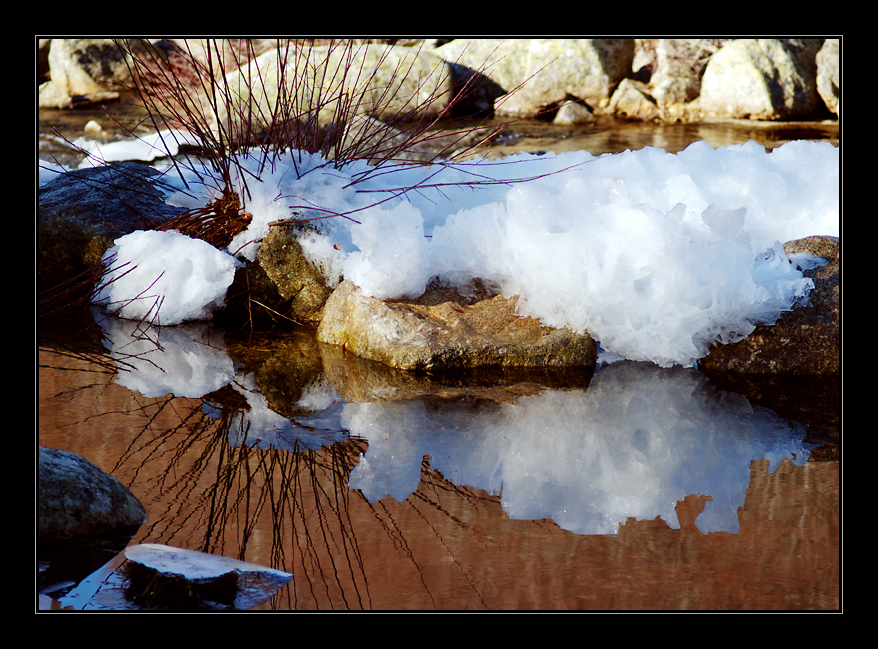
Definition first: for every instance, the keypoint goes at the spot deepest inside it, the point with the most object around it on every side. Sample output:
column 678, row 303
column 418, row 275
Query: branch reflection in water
column 260, row 466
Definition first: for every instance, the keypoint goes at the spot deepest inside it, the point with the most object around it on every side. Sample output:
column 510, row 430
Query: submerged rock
column 805, row 340
column 444, row 330
column 76, row 498
column 171, row 578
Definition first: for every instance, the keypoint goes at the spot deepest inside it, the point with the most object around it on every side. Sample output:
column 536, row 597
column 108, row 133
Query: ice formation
column 657, row 255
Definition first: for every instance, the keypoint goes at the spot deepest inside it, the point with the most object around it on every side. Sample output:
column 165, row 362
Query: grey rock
column 76, row 498
column 574, row 112
column 383, row 82
column 551, row 70
column 764, row 78
column 166, row 577
column 81, row 213
column 84, row 70
column 828, row 78
column 680, row 64
column 633, row 100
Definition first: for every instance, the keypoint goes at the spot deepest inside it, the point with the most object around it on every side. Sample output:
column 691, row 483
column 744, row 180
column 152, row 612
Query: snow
column 637, row 441
column 165, row 277
column 156, row 361
column 145, row 148
column 656, row 255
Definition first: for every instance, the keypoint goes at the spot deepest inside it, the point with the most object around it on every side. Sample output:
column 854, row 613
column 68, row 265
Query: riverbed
column 632, row 488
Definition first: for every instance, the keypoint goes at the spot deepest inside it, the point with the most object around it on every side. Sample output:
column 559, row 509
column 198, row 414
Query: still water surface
column 632, row 488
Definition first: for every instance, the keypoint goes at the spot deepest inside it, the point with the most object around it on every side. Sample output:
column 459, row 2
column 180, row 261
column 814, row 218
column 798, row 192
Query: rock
column 43, row 46
column 552, row 70
column 632, row 100
column 171, row 578
column 367, row 74
column 300, row 284
column 675, row 84
column 574, row 112
column 805, row 340
column 358, row 380
column 76, row 498
column 828, row 75
column 764, row 78
column 680, row 64
column 81, row 213
column 443, row 330
column 83, row 70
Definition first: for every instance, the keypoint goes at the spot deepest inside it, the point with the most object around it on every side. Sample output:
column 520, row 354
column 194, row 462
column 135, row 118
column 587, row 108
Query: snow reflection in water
column 637, row 441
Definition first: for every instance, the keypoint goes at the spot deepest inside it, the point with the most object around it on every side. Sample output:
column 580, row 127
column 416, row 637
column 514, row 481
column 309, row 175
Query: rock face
column 805, row 340
column 76, row 498
column 442, row 330
column 691, row 78
column 762, row 79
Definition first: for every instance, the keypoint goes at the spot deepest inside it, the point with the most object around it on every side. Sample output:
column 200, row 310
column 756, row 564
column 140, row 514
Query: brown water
column 447, row 545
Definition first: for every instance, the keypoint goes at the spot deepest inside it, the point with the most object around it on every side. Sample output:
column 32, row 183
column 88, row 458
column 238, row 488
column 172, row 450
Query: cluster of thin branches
column 327, row 99
column 241, row 101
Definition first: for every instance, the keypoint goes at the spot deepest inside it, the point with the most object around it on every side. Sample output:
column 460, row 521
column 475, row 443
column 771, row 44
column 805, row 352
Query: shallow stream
column 634, row 487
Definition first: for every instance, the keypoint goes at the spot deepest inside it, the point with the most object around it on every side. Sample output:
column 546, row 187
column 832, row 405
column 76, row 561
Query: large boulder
column 76, row 498
column 444, row 330
column 84, row 70
column 552, row 71
column 81, row 213
column 828, row 78
column 805, row 340
column 331, row 81
column 765, row 78
column 679, row 68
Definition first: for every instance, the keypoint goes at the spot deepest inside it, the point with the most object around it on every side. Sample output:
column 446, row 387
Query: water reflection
column 260, row 469
column 609, row 135
column 637, row 441
column 632, row 444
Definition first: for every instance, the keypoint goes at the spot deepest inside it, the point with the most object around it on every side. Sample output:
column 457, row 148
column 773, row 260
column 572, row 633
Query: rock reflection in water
column 632, row 445
column 277, row 499
column 635, row 442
